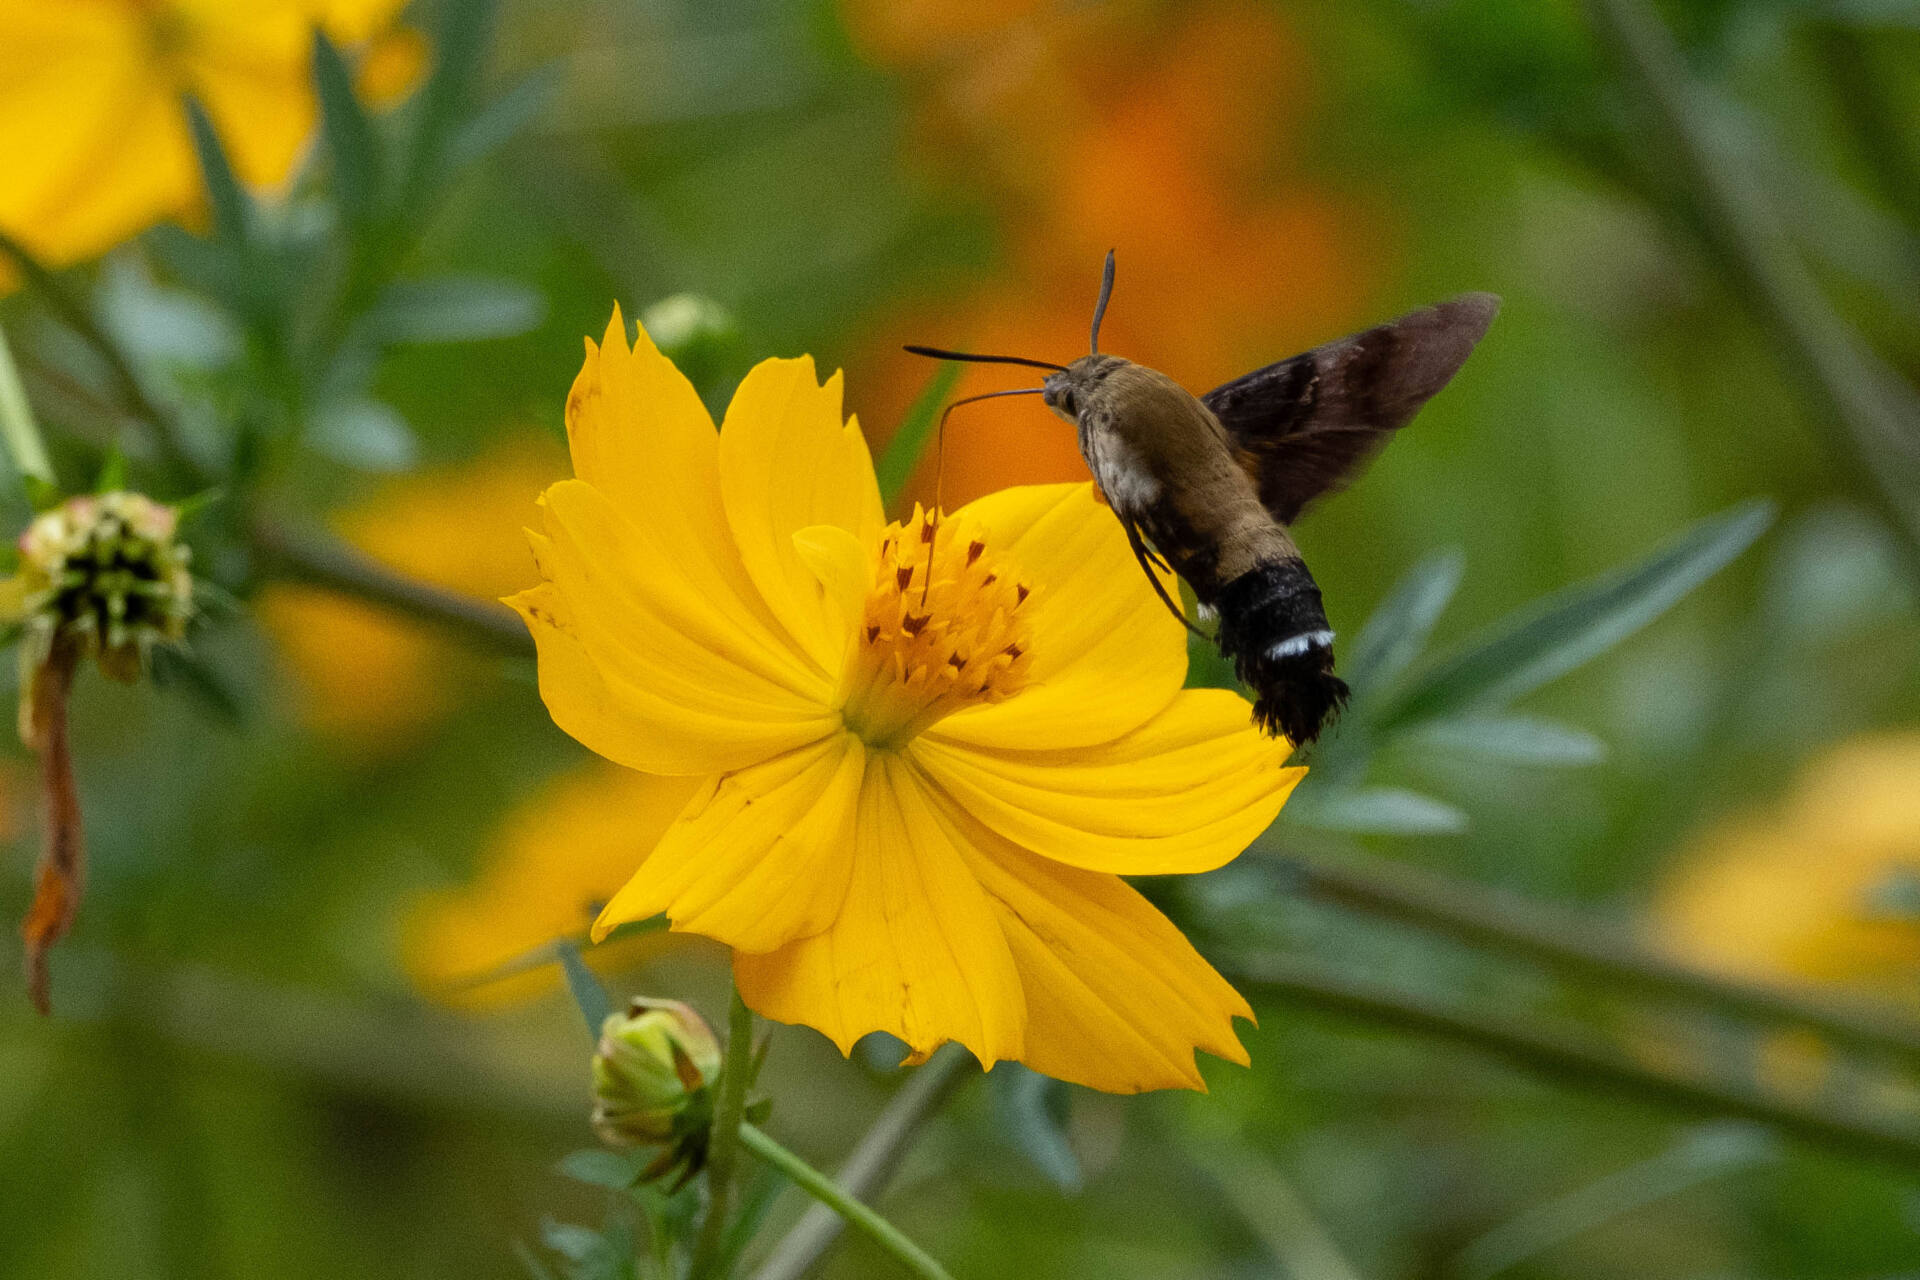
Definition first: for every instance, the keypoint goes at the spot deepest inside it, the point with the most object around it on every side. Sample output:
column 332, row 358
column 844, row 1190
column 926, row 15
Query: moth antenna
column 1100, row 307
column 936, row 353
column 940, row 470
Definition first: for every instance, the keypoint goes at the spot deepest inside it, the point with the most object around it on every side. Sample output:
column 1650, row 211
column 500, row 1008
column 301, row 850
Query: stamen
column 945, row 628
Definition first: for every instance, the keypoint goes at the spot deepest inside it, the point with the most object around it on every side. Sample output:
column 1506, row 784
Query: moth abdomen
column 1273, row 627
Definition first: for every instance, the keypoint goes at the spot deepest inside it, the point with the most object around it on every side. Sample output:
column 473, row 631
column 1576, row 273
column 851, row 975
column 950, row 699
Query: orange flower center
column 945, row 627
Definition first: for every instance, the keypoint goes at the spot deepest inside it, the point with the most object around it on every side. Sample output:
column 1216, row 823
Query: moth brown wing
column 1304, row 427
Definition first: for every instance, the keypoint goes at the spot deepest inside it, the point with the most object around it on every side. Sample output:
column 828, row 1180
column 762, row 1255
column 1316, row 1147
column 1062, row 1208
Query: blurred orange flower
column 559, row 858
column 1810, row 891
column 368, row 675
column 95, row 141
column 1165, row 134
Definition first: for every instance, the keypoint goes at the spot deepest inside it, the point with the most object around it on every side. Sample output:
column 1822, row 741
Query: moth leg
column 1147, row 560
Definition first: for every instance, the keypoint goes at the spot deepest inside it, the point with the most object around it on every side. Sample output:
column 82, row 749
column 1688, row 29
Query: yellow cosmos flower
column 1800, row 893
column 926, row 754
column 91, row 128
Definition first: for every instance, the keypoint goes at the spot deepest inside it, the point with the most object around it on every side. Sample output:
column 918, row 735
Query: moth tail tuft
column 1273, row 627
column 1297, row 697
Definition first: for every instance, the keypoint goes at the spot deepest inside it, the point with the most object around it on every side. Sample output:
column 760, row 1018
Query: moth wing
column 1306, row 426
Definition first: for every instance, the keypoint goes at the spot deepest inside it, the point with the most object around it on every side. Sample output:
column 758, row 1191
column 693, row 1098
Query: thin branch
column 126, row 382
column 1476, row 915
column 873, row 1160
column 359, row 1044
column 1570, row 1062
column 1872, row 415
column 322, row 561
column 840, row 1202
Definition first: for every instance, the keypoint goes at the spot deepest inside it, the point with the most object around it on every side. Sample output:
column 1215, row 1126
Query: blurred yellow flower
column 92, row 132
column 926, row 754
column 365, row 674
column 1806, row 892
column 535, row 885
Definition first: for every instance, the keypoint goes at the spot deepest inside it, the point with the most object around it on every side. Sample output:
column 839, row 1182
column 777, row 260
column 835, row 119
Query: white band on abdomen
column 1293, row 646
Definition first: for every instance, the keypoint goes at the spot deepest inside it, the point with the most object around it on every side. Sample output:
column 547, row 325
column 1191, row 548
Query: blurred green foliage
column 242, row 1080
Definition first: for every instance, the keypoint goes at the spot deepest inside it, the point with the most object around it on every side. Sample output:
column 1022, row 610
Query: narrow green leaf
column 1701, row 1155
column 904, row 450
column 1397, row 632
column 503, row 119
column 20, row 432
column 598, row 1167
column 1519, row 740
column 1032, row 1111
column 194, row 675
column 594, row 1003
column 455, row 309
column 364, row 434
column 460, row 47
column 1577, row 625
column 348, row 132
column 218, row 270
column 1387, row 811
column 226, row 198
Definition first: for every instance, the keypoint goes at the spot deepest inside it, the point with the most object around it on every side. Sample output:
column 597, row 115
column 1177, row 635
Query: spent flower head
column 101, row 576
column 105, row 574
column 924, row 752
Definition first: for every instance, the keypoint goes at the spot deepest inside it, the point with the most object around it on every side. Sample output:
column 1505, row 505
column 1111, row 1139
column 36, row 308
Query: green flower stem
column 835, row 1197
column 17, row 427
column 873, row 1159
column 126, row 384
column 322, row 561
column 1868, row 410
column 723, row 1150
column 1475, row 915
column 1568, row 1061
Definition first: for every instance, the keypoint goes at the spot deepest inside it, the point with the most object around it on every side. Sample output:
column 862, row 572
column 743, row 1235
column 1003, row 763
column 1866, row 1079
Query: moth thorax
column 928, row 648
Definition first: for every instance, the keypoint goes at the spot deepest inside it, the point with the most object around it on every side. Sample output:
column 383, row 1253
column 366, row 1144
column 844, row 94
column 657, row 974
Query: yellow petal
column 760, row 857
column 640, row 435
column 1106, row 654
column 570, row 685
column 788, row 462
column 678, row 685
column 1187, row 791
column 842, row 565
column 1117, row 998
column 917, row 950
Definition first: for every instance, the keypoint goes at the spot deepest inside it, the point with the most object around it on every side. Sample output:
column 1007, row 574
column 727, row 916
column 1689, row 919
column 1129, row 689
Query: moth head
column 1069, row 391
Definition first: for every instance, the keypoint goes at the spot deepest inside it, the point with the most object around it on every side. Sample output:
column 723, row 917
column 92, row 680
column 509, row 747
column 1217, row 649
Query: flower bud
column 651, row 1072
